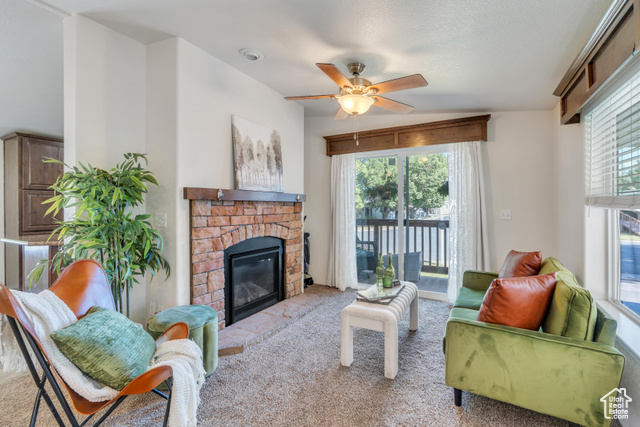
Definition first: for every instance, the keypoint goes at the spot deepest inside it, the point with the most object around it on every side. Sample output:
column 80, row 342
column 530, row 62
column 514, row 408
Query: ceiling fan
column 358, row 94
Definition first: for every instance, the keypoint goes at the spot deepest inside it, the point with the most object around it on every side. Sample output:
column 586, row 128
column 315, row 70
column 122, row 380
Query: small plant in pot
column 104, row 227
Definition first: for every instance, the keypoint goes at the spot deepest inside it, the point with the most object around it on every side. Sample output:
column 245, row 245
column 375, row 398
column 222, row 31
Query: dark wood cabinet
column 37, row 175
column 27, row 179
column 26, row 185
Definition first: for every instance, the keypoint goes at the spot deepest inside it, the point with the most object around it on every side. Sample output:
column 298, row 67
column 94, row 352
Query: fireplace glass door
column 254, row 277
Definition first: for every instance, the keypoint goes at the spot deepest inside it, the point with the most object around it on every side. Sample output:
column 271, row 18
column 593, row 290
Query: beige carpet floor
column 294, row 378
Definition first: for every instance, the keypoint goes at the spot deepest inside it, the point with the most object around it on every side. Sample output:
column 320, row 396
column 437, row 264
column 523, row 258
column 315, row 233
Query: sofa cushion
column 605, row 330
column 469, row 298
column 107, row 347
column 572, row 312
column 463, row 313
column 519, row 302
column 521, row 264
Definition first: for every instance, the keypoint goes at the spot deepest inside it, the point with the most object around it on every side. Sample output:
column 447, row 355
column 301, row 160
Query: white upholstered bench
column 381, row 318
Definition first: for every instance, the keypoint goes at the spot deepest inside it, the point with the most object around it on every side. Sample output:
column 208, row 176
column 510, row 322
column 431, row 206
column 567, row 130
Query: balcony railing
column 430, row 237
column 629, row 224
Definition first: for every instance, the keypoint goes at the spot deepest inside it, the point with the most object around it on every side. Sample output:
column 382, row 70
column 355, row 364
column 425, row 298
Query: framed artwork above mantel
column 257, row 156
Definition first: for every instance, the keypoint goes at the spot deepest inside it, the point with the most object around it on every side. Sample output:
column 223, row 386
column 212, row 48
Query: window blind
column 613, row 148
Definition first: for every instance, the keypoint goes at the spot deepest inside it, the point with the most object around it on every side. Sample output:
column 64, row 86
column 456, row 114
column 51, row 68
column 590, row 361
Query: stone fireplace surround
column 219, row 224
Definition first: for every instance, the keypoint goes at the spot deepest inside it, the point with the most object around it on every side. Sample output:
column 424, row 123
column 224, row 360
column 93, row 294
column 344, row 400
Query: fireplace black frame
column 246, row 248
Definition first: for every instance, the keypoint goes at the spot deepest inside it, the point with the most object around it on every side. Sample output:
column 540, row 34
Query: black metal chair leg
column 42, row 393
column 52, row 408
column 45, row 367
column 40, row 383
column 166, row 412
column 109, row 411
column 86, row 420
column 36, row 406
column 457, row 396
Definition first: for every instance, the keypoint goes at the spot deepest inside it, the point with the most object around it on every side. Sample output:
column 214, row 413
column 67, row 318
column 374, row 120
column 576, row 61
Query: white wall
column 196, row 148
column 104, row 103
column 162, row 86
column 31, row 69
column 568, row 160
column 518, row 170
column 105, row 93
column 580, row 231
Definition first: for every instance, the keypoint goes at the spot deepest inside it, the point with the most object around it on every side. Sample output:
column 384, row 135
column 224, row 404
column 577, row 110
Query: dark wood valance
column 433, row 133
column 611, row 45
column 196, row 193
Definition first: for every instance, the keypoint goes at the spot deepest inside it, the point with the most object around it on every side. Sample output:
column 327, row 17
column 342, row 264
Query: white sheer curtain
column 342, row 235
column 467, row 219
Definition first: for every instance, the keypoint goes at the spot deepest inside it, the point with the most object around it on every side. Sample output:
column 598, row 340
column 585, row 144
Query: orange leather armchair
column 81, row 286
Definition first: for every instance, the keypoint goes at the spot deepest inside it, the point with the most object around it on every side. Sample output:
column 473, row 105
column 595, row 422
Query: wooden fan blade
column 395, row 106
column 341, row 115
column 294, row 98
column 334, row 74
column 408, row 82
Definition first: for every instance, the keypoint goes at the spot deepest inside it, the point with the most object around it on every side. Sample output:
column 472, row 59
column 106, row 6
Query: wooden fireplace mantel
column 197, row 193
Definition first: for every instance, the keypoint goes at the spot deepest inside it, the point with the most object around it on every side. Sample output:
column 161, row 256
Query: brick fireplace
column 219, row 224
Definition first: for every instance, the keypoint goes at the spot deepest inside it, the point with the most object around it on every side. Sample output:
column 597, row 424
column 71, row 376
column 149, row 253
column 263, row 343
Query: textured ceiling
column 476, row 55
column 31, row 96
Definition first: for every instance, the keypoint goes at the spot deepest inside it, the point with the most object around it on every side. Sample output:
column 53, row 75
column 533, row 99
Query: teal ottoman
column 203, row 329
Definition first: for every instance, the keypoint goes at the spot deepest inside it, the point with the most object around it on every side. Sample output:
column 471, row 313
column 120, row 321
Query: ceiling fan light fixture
column 355, row 104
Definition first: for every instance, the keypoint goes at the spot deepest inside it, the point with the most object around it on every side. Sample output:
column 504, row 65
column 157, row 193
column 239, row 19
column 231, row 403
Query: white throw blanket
column 47, row 313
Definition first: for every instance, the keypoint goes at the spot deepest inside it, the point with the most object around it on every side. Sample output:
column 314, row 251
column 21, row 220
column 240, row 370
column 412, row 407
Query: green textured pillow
column 107, row 347
column 470, row 298
column 572, row 312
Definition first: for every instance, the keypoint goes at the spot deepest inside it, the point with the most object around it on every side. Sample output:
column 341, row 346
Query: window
column 613, row 148
column 629, row 290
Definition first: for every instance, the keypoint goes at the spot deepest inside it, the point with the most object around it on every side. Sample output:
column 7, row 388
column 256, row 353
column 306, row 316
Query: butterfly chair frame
column 81, row 286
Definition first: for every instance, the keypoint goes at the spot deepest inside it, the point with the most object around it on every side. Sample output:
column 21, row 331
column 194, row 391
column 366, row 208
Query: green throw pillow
column 470, row 298
column 572, row 312
column 107, row 347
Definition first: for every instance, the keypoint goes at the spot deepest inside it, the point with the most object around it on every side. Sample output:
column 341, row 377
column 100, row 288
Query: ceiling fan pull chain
column 355, row 136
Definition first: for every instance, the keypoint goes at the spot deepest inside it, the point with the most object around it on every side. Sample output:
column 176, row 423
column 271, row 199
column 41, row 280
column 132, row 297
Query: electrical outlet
column 505, row 214
column 160, row 220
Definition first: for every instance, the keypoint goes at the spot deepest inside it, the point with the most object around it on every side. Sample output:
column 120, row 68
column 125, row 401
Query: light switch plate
column 505, row 214
column 160, row 220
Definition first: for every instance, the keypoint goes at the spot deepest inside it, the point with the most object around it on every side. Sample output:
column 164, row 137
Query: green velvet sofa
column 561, row 370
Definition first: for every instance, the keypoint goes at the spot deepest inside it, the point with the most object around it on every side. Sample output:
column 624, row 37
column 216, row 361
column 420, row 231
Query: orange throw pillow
column 520, row 302
column 521, row 264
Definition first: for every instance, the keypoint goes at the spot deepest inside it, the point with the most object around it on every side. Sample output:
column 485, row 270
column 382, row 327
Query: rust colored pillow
column 521, row 264
column 521, row 302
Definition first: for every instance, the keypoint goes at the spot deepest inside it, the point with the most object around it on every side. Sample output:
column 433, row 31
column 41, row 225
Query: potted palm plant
column 104, row 226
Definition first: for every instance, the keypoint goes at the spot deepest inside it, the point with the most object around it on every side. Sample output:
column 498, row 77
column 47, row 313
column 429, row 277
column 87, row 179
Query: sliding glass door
column 426, row 224
column 402, row 210
column 376, row 213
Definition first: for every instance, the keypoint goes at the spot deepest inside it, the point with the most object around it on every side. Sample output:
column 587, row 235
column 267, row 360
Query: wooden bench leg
column 346, row 344
column 391, row 349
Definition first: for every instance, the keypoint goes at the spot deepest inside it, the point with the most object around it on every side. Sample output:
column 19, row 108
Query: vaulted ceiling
column 476, row 55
